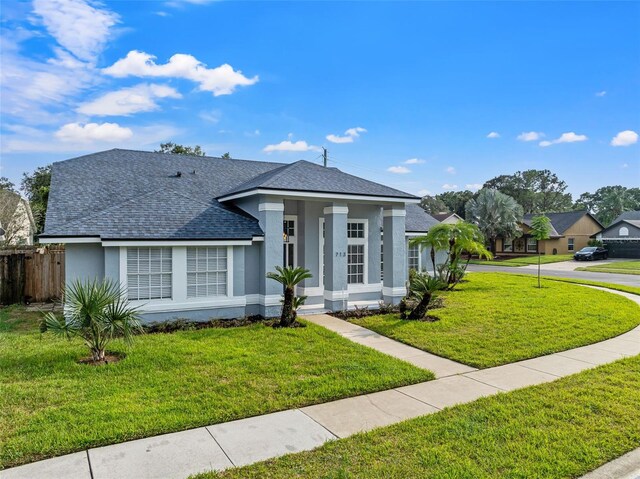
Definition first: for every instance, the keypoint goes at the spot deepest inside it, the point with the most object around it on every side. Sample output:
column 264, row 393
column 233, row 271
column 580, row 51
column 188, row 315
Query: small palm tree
column 289, row 277
column 540, row 230
column 422, row 286
column 97, row 311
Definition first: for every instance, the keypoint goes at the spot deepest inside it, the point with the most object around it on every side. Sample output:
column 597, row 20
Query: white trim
column 604, row 240
column 415, row 234
column 270, row 207
column 364, row 288
column 257, row 239
column 311, row 290
column 268, row 300
column 336, row 210
column 161, row 306
column 321, row 254
column 336, row 295
column 177, row 243
column 359, row 241
column 310, row 194
column 293, row 239
column 74, row 239
column 394, row 212
column 396, row 291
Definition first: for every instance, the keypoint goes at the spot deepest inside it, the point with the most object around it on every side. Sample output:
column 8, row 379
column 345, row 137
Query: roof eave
column 318, row 195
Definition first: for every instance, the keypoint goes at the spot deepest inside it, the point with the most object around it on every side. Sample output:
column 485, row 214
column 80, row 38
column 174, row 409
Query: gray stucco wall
column 84, row 261
column 112, row 263
column 252, row 268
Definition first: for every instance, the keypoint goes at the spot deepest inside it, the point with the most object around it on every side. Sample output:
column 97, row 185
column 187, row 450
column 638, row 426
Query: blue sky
column 423, row 96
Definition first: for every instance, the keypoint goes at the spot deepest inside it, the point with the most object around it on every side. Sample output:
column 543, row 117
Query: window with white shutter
column 206, row 272
column 149, row 272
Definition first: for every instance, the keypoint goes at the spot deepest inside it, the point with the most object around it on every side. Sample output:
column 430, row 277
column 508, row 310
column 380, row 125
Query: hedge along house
column 570, row 231
column 193, row 237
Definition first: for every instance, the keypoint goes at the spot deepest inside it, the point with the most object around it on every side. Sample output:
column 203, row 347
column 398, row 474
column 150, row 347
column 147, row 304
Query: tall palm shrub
column 96, row 311
column 540, row 230
column 496, row 214
column 289, row 277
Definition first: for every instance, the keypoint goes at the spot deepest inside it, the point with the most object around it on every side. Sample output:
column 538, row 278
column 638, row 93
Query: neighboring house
column 570, row 231
column 193, row 237
column 622, row 236
column 16, row 220
column 448, row 218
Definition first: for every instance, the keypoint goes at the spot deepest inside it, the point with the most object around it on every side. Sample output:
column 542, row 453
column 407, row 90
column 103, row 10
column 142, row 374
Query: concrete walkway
column 625, row 467
column 237, row 443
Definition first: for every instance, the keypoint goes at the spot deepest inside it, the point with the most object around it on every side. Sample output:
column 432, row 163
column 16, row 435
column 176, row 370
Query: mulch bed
column 109, row 358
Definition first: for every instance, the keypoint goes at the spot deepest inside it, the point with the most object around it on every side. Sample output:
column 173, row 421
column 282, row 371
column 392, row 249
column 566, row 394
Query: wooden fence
column 31, row 274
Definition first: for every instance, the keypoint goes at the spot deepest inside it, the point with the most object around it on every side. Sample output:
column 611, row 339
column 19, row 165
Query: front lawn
column 499, row 318
column 525, row 260
column 555, row 430
column 622, row 267
column 51, row 405
column 618, row 287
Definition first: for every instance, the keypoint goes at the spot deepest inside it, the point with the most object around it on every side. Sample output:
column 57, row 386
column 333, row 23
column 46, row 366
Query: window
column 624, row 231
column 149, row 273
column 532, row 245
column 355, row 230
column 507, row 245
column 413, row 256
column 206, row 272
column 289, row 229
column 381, row 261
column 356, row 252
column 570, row 244
column 355, row 264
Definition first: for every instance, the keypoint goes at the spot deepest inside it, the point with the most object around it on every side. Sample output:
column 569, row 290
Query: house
column 448, row 218
column 17, row 225
column 193, row 237
column 622, row 236
column 570, row 231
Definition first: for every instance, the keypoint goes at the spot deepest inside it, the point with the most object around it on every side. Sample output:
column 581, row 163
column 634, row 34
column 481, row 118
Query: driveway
column 571, row 265
column 566, row 271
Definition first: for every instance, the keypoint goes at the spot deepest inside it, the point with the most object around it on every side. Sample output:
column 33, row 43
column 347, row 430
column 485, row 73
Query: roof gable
column 418, row 220
column 306, row 176
column 627, row 215
column 561, row 222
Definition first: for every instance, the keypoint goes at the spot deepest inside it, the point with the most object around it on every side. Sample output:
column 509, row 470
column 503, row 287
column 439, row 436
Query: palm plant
column 456, row 239
column 289, row 277
column 97, row 311
column 496, row 214
column 422, row 286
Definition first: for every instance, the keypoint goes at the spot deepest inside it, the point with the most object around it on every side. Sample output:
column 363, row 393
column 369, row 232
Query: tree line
column 541, row 191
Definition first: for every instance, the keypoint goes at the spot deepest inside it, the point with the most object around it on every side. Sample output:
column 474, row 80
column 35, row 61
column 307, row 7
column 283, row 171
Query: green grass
column 618, row 287
column 499, row 318
column 555, row 430
column 51, row 405
column 526, row 260
column 623, row 267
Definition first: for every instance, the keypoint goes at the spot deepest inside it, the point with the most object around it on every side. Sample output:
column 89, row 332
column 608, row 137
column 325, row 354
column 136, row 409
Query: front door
column 289, row 254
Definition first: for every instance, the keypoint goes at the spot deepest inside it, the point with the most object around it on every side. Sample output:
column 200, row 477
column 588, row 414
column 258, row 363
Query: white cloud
column 212, row 116
column 414, row 161
column 400, row 170
column 447, row 186
column 473, row 186
column 288, row 145
column 625, row 138
column 625, row 165
column 349, row 135
column 530, row 136
column 127, row 101
column 423, row 192
column 77, row 26
column 91, row 132
column 451, row 170
column 601, row 93
column 222, row 80
column 569, row 137
column 493, row 134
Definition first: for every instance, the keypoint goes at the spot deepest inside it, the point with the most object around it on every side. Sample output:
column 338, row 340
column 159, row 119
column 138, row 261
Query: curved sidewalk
column 237, row 443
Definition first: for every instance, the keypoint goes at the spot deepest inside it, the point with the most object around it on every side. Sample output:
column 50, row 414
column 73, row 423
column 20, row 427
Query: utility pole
column 324, row 156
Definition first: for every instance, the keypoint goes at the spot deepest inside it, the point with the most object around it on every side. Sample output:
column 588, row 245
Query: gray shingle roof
column 306, row 176
column 561, row 222
column 418, row 220
column 125, row 194
column 627, row 215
